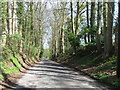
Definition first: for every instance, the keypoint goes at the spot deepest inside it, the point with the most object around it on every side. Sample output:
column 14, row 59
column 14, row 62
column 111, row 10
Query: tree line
column 22, row 19
column 76, row 25
column 21, row 31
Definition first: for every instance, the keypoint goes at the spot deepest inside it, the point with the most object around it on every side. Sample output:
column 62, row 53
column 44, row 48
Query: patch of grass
column 11, row 70
column 107, row 79
column 15, row 61
column 8, row 70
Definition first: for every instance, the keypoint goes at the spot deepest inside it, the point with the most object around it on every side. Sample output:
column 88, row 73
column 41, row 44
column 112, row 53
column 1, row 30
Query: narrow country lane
column 49, row 74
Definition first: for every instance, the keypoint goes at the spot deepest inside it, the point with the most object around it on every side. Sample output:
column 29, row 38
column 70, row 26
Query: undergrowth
column 104, row 69
column 11, row 49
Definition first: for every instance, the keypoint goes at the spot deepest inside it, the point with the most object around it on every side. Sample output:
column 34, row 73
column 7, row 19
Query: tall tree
column 20, row 12
column 3, row 23
column 118, row 55
column 77, row 17
column 32, row 21
column 92, row 21
column 110, row 27
column 72, row 16
column 116, row 37
column 63, row 27
column 105, row 10
column 87, row 14
column 9, row 13
column 14, row 22
column 98, row 32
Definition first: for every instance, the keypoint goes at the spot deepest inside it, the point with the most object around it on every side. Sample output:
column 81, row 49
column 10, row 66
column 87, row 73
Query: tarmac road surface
column 49, row 74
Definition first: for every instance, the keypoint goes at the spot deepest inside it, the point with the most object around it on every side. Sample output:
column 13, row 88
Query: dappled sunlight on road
column 49, row 74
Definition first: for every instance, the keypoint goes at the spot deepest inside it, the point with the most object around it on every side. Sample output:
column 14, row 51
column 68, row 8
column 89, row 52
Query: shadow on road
column 10, row 85
column 49, row 73
column 60, row 73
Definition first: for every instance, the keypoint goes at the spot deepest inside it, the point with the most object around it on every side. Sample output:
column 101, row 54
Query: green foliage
column 7, row 69
column 46, row 53
column 99, row 75
column 93, row 30
column 115, row 82
column 107, row 79
column 73, row 39
column 6, row 53
column 20, row 12
column 85, row 30
column 111, row 63
column 13, row 42
column 90, row 43
column 12, row 46
column 3, row 14
column 30, row 49
column 14, row 37
column 3, row 9
column 33, row 50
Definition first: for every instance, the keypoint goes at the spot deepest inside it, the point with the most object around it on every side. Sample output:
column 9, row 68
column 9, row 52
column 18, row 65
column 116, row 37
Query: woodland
column 83, row 35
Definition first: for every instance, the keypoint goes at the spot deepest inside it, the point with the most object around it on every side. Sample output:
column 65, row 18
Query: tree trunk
column 105, row 7
column 14, row 23
column 118, row 55
column 77, row 18
column 116, row 38
column 92, row 20
column 72, row 16
column 9, row 11
column 98, row 27
column 87, row 12
column 110, row 28
column 4, row 25
column 32, row 22
column 20, row 10
column 85, row 38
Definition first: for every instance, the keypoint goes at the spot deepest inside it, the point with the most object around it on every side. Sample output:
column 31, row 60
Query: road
column 49, row 74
